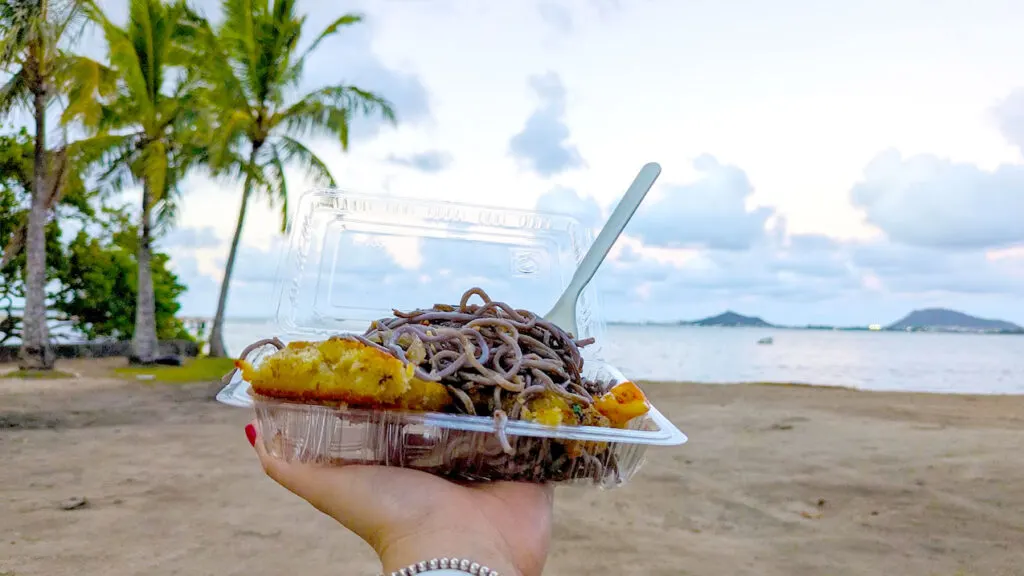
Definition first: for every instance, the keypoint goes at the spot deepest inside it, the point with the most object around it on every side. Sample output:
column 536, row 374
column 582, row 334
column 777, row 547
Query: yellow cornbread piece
column 343, row 370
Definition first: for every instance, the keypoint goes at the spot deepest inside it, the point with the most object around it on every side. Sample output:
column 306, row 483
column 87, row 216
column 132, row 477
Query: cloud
column 562, row 200
column 556, row 15
column 803, row 278
column 911, row 269
column 844, row 283
column 1010, row 118
column 694, row 250
column 189, row 237
column 708, row 213
column 927, row 201
column 349, row 58
column 541, row 144
column 777, row 272
column 201, row 297
column 430, row 161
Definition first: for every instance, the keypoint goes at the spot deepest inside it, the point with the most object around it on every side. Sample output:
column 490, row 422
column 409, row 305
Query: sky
column 822, row 163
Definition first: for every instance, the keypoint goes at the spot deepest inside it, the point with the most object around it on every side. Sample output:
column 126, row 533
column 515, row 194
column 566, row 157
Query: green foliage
column 144, row 109
column 251, row 70
column 252, row 66
column 16, row 160
column 31, row 35
column 99, row 284
column 173, row 95
column 92, row 277
column 16, row 152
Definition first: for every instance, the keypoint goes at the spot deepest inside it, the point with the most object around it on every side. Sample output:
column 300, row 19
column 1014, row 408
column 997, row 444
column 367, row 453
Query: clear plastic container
column 353, row 258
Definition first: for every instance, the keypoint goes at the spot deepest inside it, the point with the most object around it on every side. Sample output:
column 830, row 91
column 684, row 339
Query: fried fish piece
column 343, row 370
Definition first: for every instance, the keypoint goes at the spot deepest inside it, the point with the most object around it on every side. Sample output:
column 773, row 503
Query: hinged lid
column 353, row 258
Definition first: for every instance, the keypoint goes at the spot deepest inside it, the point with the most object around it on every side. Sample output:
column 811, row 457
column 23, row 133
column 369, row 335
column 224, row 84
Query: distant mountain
column 730, row 318
column 943, row 320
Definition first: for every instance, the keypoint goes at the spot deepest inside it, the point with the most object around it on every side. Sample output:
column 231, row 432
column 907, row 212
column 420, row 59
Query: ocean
column 919, row 362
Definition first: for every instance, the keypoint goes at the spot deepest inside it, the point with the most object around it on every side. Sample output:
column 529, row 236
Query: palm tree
column 148, row 126
column 31, row 32
column 252, row 64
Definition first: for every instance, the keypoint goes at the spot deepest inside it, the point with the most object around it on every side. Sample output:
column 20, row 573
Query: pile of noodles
column 493, row 359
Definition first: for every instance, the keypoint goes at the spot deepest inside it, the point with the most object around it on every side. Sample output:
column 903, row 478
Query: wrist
column 415, row 548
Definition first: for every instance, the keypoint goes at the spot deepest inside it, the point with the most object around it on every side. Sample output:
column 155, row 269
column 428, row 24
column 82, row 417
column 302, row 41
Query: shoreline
column 103, row 368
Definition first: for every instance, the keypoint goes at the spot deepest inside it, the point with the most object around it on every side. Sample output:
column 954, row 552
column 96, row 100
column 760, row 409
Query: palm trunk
column 36, row 352
column 217, row 348
column 144, row 342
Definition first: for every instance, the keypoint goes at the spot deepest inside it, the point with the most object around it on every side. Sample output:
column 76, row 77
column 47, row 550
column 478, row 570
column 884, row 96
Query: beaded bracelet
column 460, row 564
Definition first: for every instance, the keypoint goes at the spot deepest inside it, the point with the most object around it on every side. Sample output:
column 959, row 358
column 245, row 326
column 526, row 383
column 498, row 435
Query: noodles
column 495, row 360
column 472, row 347
column 493, row 342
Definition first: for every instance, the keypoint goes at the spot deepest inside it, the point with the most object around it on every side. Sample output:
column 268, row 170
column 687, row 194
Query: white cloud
column 542, row 144
column 710, row 212
column 927, row 201
column 792, row 101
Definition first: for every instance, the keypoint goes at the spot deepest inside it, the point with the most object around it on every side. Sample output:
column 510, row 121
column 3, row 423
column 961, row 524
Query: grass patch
column 37, row 375
column 195, row 370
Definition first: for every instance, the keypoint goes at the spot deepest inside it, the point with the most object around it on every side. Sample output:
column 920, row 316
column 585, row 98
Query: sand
column 775, row 481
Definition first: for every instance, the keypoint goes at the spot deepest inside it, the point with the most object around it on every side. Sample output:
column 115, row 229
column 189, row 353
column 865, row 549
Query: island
column 731, row 319
column 925, row 320
column 945, row 320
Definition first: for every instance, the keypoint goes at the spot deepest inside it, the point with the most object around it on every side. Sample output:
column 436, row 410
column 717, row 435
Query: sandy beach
column 776, row 480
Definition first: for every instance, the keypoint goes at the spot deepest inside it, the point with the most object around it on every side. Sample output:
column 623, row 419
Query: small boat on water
column 766, row 340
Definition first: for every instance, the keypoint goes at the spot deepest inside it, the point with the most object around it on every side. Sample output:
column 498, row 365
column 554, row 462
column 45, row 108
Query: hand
column 408, row 516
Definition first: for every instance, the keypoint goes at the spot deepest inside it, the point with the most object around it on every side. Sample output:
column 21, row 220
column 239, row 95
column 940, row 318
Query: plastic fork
column 563, row 314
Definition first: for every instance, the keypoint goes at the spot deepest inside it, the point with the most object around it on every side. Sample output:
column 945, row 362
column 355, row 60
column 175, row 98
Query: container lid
column 353, row 258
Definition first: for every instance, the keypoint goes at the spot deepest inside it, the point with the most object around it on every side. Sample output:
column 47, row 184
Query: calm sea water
column 951, row 363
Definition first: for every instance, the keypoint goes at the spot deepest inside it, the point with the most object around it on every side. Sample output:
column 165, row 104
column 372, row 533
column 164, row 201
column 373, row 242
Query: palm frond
column 227, row 92
column 328, row 111
column 112, row 155
column 87, row 83
column 280, row 186
column 166, row 211
column 227, row 139
column 14, row 93
column 71, row 21
column 129, row 63
column 330, row 30
column 281, row 34
column 31, row 33
column 292, row 151
column 20, row 24
column 234, row 166
column 185, row 36
column 238, row 33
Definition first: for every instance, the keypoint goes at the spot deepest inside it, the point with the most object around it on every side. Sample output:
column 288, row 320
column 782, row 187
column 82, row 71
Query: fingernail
column 250, row 433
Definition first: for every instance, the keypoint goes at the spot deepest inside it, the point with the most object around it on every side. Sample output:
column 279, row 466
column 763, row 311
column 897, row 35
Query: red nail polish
column 250, row 433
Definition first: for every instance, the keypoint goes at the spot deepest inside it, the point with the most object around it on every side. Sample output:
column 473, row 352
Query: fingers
column 346, row 493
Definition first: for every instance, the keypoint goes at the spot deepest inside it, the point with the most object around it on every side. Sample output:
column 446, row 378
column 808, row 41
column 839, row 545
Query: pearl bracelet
column 460, row 564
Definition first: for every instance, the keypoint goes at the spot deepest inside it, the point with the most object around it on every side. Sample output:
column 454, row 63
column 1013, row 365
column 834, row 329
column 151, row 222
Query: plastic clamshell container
column 352, row 258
